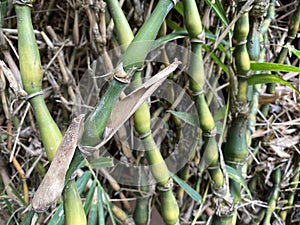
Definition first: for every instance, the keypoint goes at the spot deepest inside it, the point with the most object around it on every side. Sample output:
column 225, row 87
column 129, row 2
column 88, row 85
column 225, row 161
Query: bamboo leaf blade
column 270, row 78
column 219, row 10
column 188, row 189
column 276, row 67
column 101, row 162
column 236, row 176
column 189, row 118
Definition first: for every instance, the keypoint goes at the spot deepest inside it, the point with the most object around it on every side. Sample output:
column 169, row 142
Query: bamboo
column 97, row 119
column 273, row 197
column 292, row 32
column 73, row 209
column 197, row 77
column 31, row 74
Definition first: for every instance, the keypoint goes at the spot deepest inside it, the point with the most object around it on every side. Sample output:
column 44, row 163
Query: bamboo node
column 237, row 43
column 195, row 94
column 143, row 136
column 122, row 80
column 167, row 187
column 32, row 95
column 28, row 3
column 245, row 76
column 200, row 38
column 211, row 133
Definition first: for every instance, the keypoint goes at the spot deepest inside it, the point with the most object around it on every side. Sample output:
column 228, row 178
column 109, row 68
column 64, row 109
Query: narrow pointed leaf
column 28, row 218
column 293, row 50
column 83, row 180
column 174, row 26
column 101, row 217
column 236, row 176
column 89, row 198
column 270, row 78
column 189, row 118
column 17, row 194
column 58, row 217
column 218, row 8
column 179, row 8
column 278, row 67
column 101, row 162
column 187, row 188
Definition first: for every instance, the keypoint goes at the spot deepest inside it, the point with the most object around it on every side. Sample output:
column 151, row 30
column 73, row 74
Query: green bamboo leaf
column 28, row 218
column 101, row 162
column 17, row 194
column 58, row 217
column 89, row 197
column 76, row 163
column 270, row 78
column 293, row 50
column 216, row 59
column 179, row 8
column 174, row 26
column 107, row 202
column 82, row 181
column 188, row 189
column 92, row 218
column 218, row 8
column 169, row 37
column 278, row 67
column 189, row 118
column 236, row 176
column 101, row 217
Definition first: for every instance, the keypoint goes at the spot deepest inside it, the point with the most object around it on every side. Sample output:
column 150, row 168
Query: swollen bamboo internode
column 31, row 74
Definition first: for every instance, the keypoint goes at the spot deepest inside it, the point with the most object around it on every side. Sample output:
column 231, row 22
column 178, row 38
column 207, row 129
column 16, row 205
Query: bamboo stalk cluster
column 219, row 183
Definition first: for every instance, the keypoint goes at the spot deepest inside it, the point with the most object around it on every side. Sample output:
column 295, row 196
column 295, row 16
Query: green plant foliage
column 270, row 78
column 188, row 189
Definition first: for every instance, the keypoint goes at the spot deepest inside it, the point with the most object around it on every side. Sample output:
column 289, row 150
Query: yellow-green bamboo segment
column 31, row 74
column 256, row 35
column 197, row 77
column 196, row 72
column 159, row 169
column 96, row 121
column 273, row 197
column 170, row 211
column 122, row 28
column 236, row 147
column 73, row 209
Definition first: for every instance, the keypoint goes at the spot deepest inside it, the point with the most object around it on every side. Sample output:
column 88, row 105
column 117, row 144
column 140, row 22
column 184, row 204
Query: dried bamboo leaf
column 53, row 183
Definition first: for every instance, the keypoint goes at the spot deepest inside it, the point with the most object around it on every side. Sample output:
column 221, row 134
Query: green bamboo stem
column 236, row 147
column 197, row 77
column 284, row 214
column 142, row 209
column 122, row 28
column 273, row 197
column 257, row 33
column 73, row 209
column 31, row 74
column 97, row 119
column 292, row 32
column 159, row 169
